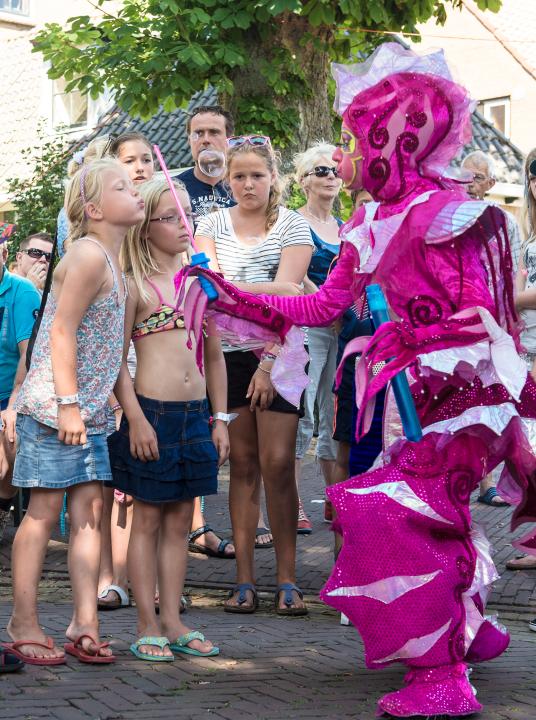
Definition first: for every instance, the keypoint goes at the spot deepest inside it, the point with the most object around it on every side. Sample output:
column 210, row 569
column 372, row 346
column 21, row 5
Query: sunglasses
column 255, row 140
column 323, row 171
column 532, row 168
column 37, row 254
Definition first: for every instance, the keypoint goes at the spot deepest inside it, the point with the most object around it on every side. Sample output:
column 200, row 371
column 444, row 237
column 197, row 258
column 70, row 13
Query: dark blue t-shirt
column 324, row 254
column 205, row 198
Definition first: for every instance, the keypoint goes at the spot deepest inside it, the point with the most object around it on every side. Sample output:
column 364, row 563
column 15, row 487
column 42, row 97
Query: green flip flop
column 181, row 645
column 160, row 642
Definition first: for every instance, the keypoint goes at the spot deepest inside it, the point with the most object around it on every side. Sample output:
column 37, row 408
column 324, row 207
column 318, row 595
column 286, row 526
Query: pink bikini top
column 165, row 317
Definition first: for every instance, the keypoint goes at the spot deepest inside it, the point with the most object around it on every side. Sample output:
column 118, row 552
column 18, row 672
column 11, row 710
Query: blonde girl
column 262, row 247
column 165, row 453
column 61, row 424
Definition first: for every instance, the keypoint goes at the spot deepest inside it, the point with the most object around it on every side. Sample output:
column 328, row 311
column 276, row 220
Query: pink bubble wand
column 198, row 258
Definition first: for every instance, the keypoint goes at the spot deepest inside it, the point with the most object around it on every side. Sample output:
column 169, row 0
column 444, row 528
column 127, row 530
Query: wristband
column 115, row 408
column 225, row 417
column 67, row 399
column 268, row 356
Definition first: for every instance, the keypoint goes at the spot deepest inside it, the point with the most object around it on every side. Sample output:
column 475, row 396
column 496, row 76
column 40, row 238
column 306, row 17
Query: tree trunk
column 310, row 103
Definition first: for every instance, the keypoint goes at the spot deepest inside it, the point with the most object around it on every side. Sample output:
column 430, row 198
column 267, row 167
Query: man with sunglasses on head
column 208, row 128
column 33, row 258
column 19, row 303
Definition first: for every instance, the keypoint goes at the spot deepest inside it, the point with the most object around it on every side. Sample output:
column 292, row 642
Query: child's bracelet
column 116, row 407
column 264, row 370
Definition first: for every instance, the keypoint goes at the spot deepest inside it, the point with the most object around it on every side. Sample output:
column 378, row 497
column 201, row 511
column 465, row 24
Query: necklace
column 322, row 222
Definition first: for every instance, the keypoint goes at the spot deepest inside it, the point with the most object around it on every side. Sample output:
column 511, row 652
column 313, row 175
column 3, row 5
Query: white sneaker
column 532, row 625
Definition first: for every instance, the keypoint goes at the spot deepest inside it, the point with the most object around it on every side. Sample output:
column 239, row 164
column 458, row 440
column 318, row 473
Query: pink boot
column 443, row 690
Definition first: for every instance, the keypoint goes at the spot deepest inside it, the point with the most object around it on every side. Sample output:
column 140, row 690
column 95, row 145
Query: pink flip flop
column 76, row 649
column 13, row 647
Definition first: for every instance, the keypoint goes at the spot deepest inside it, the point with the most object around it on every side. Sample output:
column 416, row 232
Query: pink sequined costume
column 414, row 571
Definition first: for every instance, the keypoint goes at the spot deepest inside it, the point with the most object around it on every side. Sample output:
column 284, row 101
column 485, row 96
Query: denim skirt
column 45, row 462
column 188, row 464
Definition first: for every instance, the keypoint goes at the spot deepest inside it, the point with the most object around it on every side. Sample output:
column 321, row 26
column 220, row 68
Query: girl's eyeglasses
column 171, row 219
column 323, row 171
column 255, row 140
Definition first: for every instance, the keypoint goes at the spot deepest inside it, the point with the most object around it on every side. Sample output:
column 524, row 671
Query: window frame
column 485, row 107
column 24, row 12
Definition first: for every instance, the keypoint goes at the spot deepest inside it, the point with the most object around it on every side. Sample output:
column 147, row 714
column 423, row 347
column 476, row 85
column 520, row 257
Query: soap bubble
column 211, row 162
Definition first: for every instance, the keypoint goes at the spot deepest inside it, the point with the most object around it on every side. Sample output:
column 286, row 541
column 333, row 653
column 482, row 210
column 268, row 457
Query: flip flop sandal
column 288, row 589
column 263, row 531
column 13, row 649
column 242, row 608
column 181, row 645
column 76, row 650
column 9, row 662
column 161, row 642
column 202, row 550
column 487, row 498
column 123, row 602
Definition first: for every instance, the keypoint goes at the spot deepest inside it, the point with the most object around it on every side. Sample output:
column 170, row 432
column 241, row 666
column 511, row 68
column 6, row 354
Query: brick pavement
column 270, row 667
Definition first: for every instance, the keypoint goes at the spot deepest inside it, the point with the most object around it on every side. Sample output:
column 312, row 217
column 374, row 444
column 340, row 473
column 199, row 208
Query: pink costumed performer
column 414, row 571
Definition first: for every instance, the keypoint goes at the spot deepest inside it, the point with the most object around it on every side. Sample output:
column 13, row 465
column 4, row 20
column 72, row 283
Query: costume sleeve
column 341, row 289
column 27, row 302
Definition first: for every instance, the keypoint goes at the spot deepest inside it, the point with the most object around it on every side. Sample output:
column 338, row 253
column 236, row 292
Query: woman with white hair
column 317, row 175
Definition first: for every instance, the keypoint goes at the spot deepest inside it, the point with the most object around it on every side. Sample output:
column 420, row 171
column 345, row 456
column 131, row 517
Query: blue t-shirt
column 324, row 254
column 205, row 198
column 63, row 231
column 19, row 303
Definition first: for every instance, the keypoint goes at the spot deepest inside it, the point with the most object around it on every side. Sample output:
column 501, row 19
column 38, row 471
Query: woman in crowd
column 261, row 246
column 317, row 175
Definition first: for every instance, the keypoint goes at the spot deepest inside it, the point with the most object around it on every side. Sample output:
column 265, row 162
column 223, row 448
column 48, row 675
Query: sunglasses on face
column 323, row 171
column 532, row 168
column 257, row 140
column 37, row 254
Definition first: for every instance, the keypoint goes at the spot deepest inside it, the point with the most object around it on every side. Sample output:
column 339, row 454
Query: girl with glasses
column 317, row 175
column 262, row 247
column 165, row 453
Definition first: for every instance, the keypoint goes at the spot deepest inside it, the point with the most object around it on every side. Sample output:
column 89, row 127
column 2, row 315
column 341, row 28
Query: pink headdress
column 409, row 115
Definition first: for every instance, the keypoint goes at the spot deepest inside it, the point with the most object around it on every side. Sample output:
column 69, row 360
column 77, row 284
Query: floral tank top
column 99, row 341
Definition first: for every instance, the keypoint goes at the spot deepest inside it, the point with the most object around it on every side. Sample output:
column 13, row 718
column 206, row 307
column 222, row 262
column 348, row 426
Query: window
column 497, row 111
column 15, row 6
column 68, row 109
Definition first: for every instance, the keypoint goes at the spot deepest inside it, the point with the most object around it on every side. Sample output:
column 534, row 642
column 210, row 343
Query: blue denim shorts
column 45, row 462
column 188, row 462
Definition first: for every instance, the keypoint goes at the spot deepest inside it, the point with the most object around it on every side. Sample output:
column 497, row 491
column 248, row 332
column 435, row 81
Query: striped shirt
column 253, row 263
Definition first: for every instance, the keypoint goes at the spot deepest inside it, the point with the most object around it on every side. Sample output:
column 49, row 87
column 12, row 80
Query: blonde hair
column 136, row 258
column 272, row 160
column 529, row 206
column 97, row 149
column 84, row 187
column 306, row 161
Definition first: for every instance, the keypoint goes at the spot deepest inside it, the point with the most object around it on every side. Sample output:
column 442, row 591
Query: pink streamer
column 173, row 192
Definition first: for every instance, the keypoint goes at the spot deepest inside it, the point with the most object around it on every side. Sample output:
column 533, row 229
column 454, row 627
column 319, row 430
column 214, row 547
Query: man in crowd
column 33, row 258
column 19, row 303
column 208, row 128
column 482, row 168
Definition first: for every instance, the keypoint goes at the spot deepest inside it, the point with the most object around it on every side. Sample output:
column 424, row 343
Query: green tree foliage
column 38, row 198
column 268, row 59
